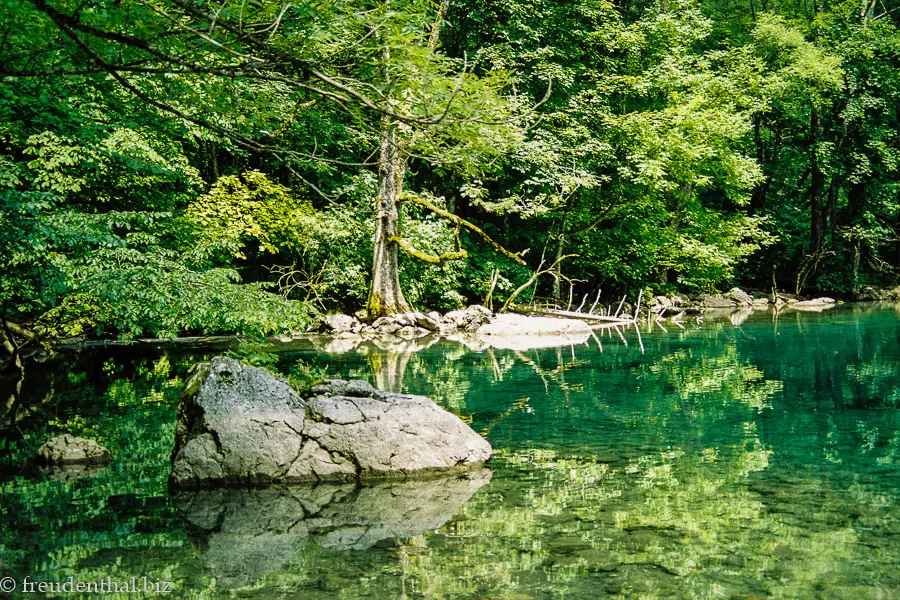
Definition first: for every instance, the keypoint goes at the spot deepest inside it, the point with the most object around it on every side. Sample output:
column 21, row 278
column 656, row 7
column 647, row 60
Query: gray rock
column 240, row 425
column 816, row 302
column 740, row 296
column 427, row 322
column 469, row 319
column 246, row 533
column 815, row 305
column 339, row 387
column 708, row 302
column 388, row 327
column 660, row 303
column 341, row 323
column 681, row 301
column 870, row 294
column 70, row 450
column 71, row 472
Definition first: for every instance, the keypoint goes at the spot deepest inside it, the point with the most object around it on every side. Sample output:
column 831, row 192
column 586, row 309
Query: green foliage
column 248, row 207
column 689, row 144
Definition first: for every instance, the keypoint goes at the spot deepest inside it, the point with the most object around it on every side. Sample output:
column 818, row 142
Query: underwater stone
column 70, row 450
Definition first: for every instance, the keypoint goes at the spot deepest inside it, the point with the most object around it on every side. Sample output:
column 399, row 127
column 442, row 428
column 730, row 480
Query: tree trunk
column 758, row 199
column 834, row 191
column 817, row 183
column 560, row 246
column 386, row 296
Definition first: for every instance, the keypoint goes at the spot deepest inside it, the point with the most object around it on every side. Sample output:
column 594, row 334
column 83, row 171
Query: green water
column 715, row 461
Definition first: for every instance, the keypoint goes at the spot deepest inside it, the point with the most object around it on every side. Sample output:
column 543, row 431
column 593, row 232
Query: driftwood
column 567, row 314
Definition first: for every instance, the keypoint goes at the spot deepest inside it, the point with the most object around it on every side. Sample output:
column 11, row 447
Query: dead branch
column 489, row 299
column 534, row 276
column 594, row 305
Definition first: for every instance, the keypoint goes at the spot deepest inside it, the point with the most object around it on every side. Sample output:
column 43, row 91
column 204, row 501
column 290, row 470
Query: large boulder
column 240, row 425
column 740, row 296
column 70, row 450
column 870, row 293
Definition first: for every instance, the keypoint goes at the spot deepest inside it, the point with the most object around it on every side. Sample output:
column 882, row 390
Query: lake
column 754, row 459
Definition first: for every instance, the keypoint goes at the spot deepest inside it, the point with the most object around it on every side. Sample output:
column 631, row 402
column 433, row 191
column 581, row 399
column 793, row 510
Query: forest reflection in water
column 718, row 460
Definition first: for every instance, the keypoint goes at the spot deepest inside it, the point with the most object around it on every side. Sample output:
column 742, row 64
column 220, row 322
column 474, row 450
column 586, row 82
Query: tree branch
column 517, row 257
column 429, row 258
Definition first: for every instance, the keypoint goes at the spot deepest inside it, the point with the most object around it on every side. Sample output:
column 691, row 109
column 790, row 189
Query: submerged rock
column 71, row 472
column 70, row 450
column 247, row 533
column 241, row 425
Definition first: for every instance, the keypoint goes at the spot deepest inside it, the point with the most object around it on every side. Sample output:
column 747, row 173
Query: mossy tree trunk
column 386, row 295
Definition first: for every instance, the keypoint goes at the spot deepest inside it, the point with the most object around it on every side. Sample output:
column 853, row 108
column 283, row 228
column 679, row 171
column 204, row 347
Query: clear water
column 718, row 461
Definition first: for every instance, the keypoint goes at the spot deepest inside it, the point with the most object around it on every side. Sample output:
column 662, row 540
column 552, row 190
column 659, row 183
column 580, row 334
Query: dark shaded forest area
column 170, row 167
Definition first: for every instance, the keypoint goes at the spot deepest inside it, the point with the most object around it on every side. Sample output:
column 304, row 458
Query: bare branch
column 552, row 269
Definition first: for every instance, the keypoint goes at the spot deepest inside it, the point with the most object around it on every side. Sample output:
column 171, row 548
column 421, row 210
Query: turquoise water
column 759, row 460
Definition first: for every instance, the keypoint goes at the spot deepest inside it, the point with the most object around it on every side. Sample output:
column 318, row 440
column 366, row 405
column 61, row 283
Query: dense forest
column 170, row 167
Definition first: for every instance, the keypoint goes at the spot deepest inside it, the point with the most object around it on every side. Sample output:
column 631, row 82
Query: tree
column 377, row 64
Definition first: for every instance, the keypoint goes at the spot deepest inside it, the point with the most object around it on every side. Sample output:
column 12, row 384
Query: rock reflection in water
column 244, row 534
